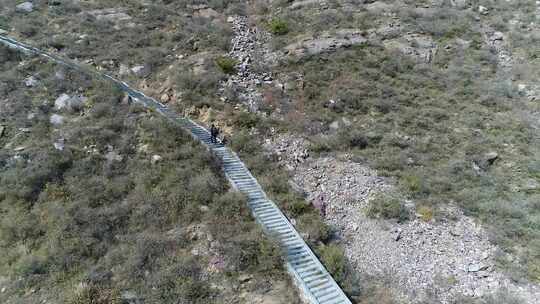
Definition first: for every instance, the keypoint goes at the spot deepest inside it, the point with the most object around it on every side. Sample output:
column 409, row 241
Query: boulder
column 114, row 15
column 130, row 297
column 243, row 278
column 141, row 70
column 25, row 7
column 207, row 13
column 156, row 158
column 61, row 102
column 65, row 102
column 76, row 103
column 334, row 125
column 483, row 10
column 497, row 36
column 491, row 157
column 326, row 42
column 165, row 97
column 475, row 267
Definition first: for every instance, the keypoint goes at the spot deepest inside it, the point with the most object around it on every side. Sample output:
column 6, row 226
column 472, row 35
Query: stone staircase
column 316, row 285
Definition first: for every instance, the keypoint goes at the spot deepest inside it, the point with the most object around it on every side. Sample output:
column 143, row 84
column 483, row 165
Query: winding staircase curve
column 312, row 279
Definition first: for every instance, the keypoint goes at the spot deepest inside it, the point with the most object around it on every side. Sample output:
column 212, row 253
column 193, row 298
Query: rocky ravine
column 247, row 47
column 437, row 260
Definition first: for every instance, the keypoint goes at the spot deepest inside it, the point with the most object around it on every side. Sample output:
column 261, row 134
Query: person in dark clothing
column 214, row 132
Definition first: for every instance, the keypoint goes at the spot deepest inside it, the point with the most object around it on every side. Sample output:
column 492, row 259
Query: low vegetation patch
column 112, row 202
column 278, row 27
column 227, row 64
column 384, row 206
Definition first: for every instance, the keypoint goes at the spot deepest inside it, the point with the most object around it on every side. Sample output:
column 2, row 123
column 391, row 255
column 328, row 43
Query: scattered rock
column 476, row 267
column 59, row 144
column 112, row 156
column 56, row 119
column 491, row 157
column 124, row 70
column 243, row 278
column 247, row 44
column 61, row 102
column 296, row 188
column 25, row 7
column 320, row 204
column 31, row 82
column 483, row 10
column 460, row 3
column 207, row 13
column 397, row 235
column 60, row 75
column 65, row 102
column 327, row 41
column 141, row 70
column 156, row 158
column 420, row 47
column 497, row 36
column 334, row 125
column 204, row 208
column 114, row 15
column 130, row 297
column 165, row 98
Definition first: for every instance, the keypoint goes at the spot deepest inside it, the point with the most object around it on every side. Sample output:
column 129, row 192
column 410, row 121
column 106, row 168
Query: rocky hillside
column 400, row 135
column 103, row 201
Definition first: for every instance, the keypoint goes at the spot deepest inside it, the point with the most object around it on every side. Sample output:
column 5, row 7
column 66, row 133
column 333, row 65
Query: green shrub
column 314, row 226
column 426, row 213
column 278, row 27
column 298, row 207
column 132, row 217
column 96, row 295
column 333, row 258
column 227, row 64
column 414, row 184
column 246, row 120
column 387, row 207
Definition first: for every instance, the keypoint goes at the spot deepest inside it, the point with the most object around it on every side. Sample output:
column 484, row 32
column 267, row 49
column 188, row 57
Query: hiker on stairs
column 214, row 132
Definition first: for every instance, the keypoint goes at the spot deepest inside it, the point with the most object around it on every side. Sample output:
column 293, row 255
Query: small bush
column 388, row 208
column 96, row 295
column 278, row 27
column 298, row 207
column 315, row 228
column 226, row 64
column 333, row 258
column 413, row 183
column 426, row 213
